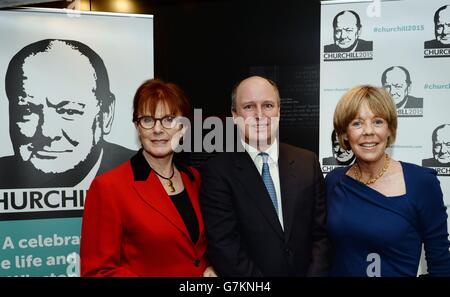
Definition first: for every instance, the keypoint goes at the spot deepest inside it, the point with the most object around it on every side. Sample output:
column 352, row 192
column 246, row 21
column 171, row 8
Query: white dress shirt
column 272, row 161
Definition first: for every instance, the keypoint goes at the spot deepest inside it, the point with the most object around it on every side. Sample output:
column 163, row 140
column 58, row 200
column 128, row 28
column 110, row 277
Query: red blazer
column 131, row 227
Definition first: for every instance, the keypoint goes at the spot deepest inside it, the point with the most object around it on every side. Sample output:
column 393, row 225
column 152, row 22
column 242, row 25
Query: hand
column 209, row 272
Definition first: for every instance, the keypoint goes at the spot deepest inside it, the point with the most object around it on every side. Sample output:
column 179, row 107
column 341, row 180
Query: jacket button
column 288, row 251
column 197, row 262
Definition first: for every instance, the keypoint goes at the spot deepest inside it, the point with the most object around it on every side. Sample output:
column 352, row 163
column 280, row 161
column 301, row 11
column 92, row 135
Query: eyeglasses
column 148, row 122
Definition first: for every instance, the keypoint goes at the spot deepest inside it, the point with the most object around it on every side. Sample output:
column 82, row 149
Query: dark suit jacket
column 432, row 162
column 334, row 161
column 413, row 102
column 244, row 234
column 435, row 44
column 362, row 45
column 132, row 228
column 16, row 174
column 113, row 156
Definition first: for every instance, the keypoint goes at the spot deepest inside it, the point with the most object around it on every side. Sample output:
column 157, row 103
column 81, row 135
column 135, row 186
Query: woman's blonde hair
column 379, row 102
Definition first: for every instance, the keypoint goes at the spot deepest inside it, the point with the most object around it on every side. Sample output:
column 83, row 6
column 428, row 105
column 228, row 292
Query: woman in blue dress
column 381, row 211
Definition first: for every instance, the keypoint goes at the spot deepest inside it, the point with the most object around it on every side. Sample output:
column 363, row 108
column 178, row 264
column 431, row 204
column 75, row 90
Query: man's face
column 441, row 145
column 442, row 27
column 396, row 84
column 56, row 124
column 257, row 112
column 346, row 33
column 340, row 154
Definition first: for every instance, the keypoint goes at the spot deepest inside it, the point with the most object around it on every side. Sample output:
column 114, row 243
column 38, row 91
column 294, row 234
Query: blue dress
column 368, row 228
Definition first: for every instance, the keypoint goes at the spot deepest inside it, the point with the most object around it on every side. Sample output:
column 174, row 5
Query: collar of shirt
column 272, row 151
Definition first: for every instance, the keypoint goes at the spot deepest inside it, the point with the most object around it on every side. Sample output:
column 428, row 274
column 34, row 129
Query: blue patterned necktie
column 268, row 181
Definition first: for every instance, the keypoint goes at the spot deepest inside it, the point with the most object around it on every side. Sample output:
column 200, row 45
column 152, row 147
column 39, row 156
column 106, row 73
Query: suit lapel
column 153, row 193
column 250, row 179
column 289, row 189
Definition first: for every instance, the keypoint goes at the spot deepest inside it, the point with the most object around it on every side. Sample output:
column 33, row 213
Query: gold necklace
column 358, row 174
column 169, row 179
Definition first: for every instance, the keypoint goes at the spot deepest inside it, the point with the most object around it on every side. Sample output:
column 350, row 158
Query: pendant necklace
column 358, row 175
column 169, row 179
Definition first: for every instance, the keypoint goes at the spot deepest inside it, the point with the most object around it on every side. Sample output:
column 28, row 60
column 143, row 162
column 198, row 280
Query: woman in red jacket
column 143, row 217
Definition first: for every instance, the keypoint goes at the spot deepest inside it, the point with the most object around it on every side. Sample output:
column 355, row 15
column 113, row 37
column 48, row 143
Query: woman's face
column 368, row 135
column 160, row 140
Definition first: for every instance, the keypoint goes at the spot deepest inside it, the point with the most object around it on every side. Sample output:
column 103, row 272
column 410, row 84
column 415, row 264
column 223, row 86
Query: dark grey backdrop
column 205, row 46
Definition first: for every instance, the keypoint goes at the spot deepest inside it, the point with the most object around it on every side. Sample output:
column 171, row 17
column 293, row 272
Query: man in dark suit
column 340, row 156
column 441, row 148
column 264, row 205
column 397, row 81
column 347, row 29
column 58, row 118
column 441, row 29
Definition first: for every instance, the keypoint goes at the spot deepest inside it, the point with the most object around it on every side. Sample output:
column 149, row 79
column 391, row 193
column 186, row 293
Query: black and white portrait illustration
column 397, row 81
column 440, row 147
column 346, row 34
column 339, row 156
column 441, row 29
column 60, row 109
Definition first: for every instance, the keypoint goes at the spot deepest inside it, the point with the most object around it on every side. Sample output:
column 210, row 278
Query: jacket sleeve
column 101, row 232
column 225, row 249
column 433, row 225
column 321, row 247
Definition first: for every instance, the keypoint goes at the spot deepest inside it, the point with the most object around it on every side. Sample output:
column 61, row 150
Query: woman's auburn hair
column 154, row 91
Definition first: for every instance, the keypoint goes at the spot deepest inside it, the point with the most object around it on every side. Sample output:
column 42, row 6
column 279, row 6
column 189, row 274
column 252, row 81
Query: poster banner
column 406, row 53
column 67, row 84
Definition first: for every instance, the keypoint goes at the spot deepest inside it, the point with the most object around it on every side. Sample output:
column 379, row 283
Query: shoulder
column 414, row 99
column 428, row 42
column 115, row 149
column 190, row 171
column 432, row 44
column 332, row 179
column 422, row 176
column 303, row 158
column 194, row 171
column 423, row 187
column 113, row 156
column 299, row 159
column 416, row 169
column 296, row 152
column 329, row 48
column 118, row 174
column 329, row 161
column 8, row 160
column 364, row 45
column 8, row 170
column 365, row 42
column 427, row 162
column 222, row 160
column 431, row 162
column 335, row 174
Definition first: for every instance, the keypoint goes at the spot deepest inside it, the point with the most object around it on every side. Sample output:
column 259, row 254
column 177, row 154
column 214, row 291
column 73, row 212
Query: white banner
column 403, row 46
column 67, row 79
column 400, row 48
